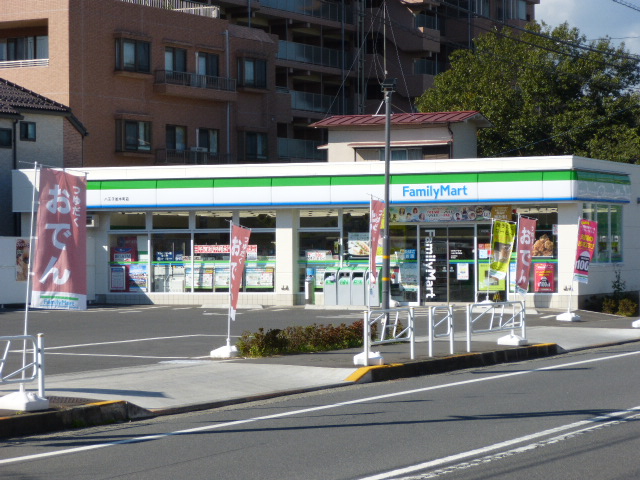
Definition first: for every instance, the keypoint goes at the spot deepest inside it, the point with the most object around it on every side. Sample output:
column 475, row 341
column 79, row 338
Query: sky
column 596, row 19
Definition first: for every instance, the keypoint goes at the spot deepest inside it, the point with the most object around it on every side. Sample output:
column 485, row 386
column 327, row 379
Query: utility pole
column 388, row 87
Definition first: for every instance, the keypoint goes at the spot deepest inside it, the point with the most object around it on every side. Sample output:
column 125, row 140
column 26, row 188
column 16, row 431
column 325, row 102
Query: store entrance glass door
column 448, row 262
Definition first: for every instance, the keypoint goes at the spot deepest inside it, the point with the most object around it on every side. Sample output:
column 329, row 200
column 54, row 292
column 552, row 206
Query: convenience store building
column 161, row 234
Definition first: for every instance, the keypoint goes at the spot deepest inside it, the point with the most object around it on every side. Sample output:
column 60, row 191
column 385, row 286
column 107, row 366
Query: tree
column 547, row 92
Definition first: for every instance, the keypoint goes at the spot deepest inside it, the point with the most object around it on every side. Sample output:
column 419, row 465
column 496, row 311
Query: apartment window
column 252, row 72
column 255, row 146
column 176, row 137
column 24, row 48
column 175, row 59
column 133, row 55
column 6, row 135
column 208, row 138
column 28, row 131
column 207, row 64
column 133, row 136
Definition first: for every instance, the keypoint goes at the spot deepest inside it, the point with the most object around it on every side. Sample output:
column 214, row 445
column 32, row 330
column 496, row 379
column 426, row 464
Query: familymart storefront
column 161, row 234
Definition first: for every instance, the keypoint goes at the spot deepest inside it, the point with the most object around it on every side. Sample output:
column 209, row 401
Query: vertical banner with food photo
column 503, row 237
column 587, row 235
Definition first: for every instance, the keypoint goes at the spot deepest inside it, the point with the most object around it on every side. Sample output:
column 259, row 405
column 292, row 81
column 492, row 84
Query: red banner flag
column 526, row 239
column 60, row 267
column 377, row 213
column 587, row 235
column 239, row 245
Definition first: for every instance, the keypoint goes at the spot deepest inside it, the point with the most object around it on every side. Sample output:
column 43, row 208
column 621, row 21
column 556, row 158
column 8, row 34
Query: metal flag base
column 225, row 352
column 513, row 340
column 374, row 359
column 636, row 324
column 568, row 317
column 22, row 401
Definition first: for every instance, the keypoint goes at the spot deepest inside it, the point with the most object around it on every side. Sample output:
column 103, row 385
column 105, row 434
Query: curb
column 381, row 373
column 92, row 414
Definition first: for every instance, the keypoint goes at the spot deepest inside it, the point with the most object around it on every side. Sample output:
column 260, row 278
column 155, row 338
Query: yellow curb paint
column 106, row 402
column 361, row 372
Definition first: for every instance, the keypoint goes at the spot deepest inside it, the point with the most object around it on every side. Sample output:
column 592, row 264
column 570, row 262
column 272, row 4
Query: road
column 568, row 417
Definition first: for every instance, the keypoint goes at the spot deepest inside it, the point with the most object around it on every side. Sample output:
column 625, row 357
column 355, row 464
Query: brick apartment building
column 229, row 81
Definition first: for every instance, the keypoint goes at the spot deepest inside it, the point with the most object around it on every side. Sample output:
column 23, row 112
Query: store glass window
column 168, row 265
column 209, row 270
column 319, row 243
column 543, row 276
column 128, row 263
column 210, row 220
column 258, row 219
column 128, row 221
column 609, row 218
column 170, row 220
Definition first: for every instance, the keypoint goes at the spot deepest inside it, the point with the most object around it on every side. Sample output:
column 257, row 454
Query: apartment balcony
column 296, row 150
column 323, row 10
column 37, row 62
column 194, row 156
column 315, row 102
column 183, row 6
column 205, row 87
column 311, row 54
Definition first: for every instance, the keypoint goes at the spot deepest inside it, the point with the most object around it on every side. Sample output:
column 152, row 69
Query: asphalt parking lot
column 124, row 336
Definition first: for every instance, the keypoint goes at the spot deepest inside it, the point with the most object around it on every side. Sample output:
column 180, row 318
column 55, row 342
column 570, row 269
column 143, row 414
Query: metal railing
column 301, row 52
column 36, row 62
column 494, row 317
column 293, row 148
column 194, row 80
column 436, row 323
column 314, row 8
column 389, row 328
column 21, row 371
column 184, row 6
column 192, row 157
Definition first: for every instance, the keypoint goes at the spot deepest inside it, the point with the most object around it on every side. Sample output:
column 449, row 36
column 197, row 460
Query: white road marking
column 217, row 426
column 118, row 356
column 47, row 349
column 592, row 424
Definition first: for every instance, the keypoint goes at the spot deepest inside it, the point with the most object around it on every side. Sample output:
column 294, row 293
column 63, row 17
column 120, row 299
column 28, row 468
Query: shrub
column 627, row 307
column 314, row 338
column 609, row 305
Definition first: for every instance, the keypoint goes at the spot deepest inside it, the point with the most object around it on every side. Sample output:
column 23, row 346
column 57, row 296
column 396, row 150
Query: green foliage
column 627, row 307
column 618, row 285
column 609, row 305
column 544, row 94
column 314, row 338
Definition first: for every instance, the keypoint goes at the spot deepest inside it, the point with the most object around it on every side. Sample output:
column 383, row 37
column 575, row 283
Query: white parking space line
column 117, row 356
column 130, row 341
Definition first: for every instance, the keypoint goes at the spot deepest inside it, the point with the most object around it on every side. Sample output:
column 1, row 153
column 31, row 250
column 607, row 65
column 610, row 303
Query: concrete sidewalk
column 89, row 398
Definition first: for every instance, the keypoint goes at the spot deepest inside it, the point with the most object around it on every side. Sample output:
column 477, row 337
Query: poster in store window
column 544, row 277
column 138, row 277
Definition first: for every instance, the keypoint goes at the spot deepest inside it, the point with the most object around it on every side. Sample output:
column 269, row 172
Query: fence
column 494, row 317
column 27, row 371
column 435, row 323
column 388, row 327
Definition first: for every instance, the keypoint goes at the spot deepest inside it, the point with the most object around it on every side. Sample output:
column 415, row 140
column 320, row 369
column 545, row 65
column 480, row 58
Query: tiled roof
column 403, row 119
column 14, row 98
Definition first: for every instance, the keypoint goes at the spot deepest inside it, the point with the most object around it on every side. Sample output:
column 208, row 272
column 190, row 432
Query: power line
column 627, row 4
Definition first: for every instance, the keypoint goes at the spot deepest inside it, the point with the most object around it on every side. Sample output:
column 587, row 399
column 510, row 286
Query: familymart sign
column 297, row 191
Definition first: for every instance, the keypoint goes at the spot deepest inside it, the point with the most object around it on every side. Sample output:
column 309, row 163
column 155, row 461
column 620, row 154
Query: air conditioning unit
column 198, row 149
column 92, row 220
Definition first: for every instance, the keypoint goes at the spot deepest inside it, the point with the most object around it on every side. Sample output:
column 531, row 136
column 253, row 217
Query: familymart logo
column 435, row 191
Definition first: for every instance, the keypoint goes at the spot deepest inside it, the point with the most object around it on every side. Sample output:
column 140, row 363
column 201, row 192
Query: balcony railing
column 191, row 157
column 300, row 150
column 314, row 8
column 183, row 6
column 194, row 80
column 315, row 102
column 36, row 62
column 300, row 52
